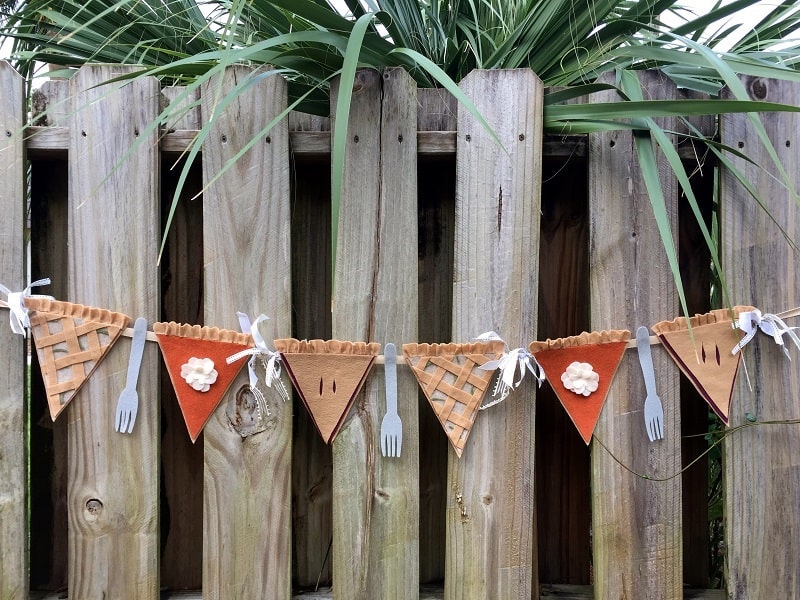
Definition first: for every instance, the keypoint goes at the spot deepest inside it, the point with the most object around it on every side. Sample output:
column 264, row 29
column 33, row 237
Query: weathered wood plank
column 762, row 463
column 491, row 551
column 113, row 239
column 13, row 468
column 246, row 224
column 437, row 111
column 376, row 499
column 636, row 524
column 52, row 141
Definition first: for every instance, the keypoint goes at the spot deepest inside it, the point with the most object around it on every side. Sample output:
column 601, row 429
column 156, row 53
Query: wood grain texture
column 182, row 302
column 762, row 463
column 13, row 467
column 437, row 111
column 636, row 523
column 113, row 240
column 376, row 499
column 246, row 225
column 490, row 507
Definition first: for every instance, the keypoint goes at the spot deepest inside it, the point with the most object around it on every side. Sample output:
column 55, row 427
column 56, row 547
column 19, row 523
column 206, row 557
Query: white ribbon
column 16, row 304
column 269, row 358
column 508, row 368
column 772, row 325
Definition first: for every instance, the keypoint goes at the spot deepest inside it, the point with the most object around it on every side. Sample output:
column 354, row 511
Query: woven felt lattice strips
column 71, row 340
column 453, row 382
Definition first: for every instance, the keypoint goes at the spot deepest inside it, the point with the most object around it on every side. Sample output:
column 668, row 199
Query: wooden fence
column 443, row 235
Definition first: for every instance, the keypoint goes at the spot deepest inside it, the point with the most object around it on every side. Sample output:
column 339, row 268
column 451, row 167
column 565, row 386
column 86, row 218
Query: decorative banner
column 580, row 370
column 195, row 358
column 451, row 377
column 328, row 376
column 707, row 360
column 71, row 340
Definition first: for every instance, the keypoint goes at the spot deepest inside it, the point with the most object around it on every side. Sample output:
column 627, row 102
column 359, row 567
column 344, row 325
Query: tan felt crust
column 198, row 332
column 719, row 315
column 293, row 346
column 584, row 339
column 70, row 309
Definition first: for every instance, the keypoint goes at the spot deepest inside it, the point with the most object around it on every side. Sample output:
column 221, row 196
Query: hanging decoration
column 706, row 353
column 195, row 358
column 580, row 370
column 328, row 376
column 508, row 363
column 71, row 340
column 454, row 382
column 15, row 301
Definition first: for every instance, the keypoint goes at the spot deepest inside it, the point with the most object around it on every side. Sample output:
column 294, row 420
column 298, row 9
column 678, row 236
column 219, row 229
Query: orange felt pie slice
column 453, row 382
column 71, row 340
column 707, row 361
column 195, row 358
column 580, row 369
column 328, row 376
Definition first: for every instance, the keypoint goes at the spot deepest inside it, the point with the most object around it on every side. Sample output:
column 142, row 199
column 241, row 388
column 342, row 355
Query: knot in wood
column 94, row 506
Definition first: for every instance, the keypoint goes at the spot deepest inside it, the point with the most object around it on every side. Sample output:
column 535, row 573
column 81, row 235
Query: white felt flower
column 199, row 373
column 580, row 378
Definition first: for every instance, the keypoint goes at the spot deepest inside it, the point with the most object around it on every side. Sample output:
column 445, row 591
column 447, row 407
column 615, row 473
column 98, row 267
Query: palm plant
column 568, row 43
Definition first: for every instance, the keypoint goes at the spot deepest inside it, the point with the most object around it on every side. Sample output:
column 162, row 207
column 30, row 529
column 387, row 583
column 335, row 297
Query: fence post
column 491, row 539
column 13, row 470
column 762, row 463
column 376, row 499
column 246, row 224
column 636, row 524
column 113, row 240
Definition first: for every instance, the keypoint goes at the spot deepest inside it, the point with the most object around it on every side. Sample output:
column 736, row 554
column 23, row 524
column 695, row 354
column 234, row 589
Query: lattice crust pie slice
column 707, row 360
column 328, row 376
column 580, row 369
column 71, row 340
column 196, row 361
column 453, row 382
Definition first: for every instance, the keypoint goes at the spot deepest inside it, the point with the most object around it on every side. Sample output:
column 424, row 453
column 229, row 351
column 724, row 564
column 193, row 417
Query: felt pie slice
column 453, row 382
column 707, row 361
column 580, row 369
column 71, row 340
column 195, row 358
column 328, row 376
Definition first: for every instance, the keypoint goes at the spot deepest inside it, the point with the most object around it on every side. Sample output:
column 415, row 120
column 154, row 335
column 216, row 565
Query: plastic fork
column 391, row 426
column 128, row 403
column 653, row 410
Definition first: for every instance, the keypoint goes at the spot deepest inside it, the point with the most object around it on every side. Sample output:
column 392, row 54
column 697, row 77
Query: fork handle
column 390, row 372
column 137, row 349
column 646, row 359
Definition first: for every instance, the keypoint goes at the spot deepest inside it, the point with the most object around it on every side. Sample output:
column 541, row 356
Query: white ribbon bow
column 269, row 358
column 751, row 321
column 16, row 304
column 508, row 367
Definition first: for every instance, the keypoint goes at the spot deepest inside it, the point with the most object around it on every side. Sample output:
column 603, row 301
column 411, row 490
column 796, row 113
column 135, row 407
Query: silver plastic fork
column 128, row 403
column 391, row 426
column 653, row 410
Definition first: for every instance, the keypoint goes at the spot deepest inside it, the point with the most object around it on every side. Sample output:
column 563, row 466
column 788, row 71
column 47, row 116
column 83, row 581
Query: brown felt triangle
column 71, row 340
column 453, row 382
column 328, row 376
column 178, row 344
column 602, row 350
column 707, row 360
